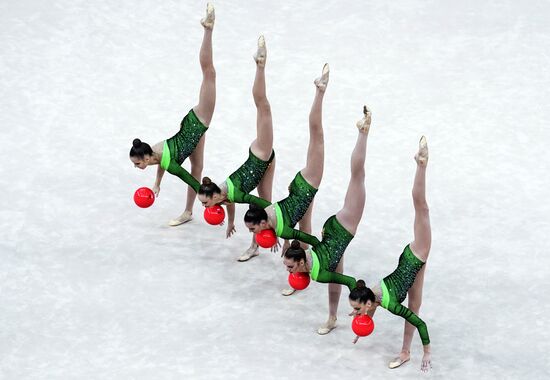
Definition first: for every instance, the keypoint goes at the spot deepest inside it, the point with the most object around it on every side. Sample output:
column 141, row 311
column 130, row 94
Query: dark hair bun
column 206, row 181
column 295, row 244
column 136, row 143
column 361, row 284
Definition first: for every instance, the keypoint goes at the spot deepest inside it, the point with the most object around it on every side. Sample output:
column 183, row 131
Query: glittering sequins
column 296, row 204
column 335, row 241
column 183, row 143
column 249, row 175
column 401, row 280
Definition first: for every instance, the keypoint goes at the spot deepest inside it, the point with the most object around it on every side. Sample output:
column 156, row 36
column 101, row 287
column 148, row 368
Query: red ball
column 266, row 238
column 214, row 215
column 144, row 197
column 298, row 280
column 362, row 325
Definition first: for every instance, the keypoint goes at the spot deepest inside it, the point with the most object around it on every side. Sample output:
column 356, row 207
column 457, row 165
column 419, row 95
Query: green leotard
column 290, row 210
column 180, row 146
column 247, row 177
column 395, row 287
column 326, row 254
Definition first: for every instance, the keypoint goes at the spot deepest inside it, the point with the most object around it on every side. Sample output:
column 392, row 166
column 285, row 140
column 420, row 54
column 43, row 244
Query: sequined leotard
column 395, row 287
column 290, row 210
column 326, row 254
column 180, row 146
column 247, row 177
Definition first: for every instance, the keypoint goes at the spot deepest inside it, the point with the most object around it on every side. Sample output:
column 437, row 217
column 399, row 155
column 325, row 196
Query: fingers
column 230, row 231
column 426, row 365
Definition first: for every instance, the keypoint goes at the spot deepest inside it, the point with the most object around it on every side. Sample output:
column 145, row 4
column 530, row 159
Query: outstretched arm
column 336, row 278
column 252, row 199
column 413, row 319
column 293, row 234
column 184, row 175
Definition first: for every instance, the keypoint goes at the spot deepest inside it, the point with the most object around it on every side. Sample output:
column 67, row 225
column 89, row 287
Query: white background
column 92, row 287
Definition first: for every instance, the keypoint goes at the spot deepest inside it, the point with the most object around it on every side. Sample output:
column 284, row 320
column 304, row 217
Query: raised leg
column 420, row 247
column 262, row 146
column 207, row 96
column 422, row 230
column 350, row 215
column 313, row 172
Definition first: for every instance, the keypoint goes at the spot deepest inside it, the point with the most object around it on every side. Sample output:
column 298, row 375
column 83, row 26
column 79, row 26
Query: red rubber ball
column 362, row 325
column 214, row 215
column 266, row 238
column 298, row 280
column 144, row 197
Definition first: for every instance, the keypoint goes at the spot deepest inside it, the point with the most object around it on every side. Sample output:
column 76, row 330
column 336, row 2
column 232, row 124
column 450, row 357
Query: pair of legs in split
column 350, row 215
column 262, row 146
column 421, row 249
column 204, row 110
column 313, row 172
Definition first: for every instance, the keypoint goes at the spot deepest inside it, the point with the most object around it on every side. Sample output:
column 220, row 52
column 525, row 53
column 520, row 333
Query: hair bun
column 206, row 181
column 361, row 284
column 136, row 143
column 295, row 244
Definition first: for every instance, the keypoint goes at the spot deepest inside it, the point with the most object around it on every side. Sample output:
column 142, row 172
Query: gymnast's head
column 255, row 219
column 140, row 154
column 209, row 193
column 294, row 258
column 361, row 299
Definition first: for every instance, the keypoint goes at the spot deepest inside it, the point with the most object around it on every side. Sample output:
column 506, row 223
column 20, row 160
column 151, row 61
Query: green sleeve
column 336, row 278
column 252, row 199
column 413, row 319
column 177, row 170
column 291, row 234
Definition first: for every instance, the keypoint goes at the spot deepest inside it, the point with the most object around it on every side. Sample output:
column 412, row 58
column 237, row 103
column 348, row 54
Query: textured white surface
column 91, row 287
